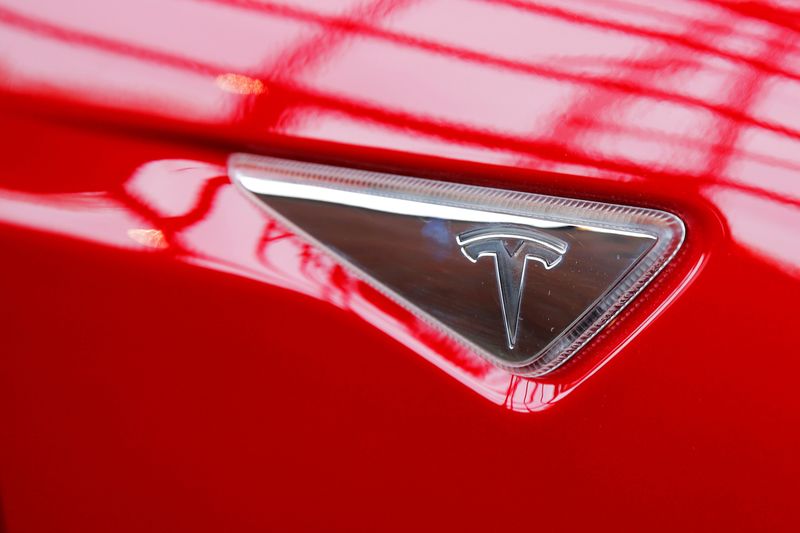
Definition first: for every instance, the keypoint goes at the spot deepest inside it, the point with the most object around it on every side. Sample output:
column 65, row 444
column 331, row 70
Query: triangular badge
column 523, row 279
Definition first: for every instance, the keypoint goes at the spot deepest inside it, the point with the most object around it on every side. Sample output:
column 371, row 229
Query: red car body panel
column 173, row 359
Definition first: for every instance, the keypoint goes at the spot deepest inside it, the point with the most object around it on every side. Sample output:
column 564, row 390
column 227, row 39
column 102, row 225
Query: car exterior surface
column 173, row 358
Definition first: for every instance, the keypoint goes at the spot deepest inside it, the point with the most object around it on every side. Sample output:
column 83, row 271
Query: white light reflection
column 384, row 203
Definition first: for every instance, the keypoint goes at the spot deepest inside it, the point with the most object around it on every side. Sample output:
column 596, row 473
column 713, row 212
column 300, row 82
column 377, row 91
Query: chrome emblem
column 543, row 274
column 511, row 248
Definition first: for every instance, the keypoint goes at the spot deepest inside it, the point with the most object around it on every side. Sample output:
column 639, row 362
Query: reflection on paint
column 239, row 84
column 151, row 238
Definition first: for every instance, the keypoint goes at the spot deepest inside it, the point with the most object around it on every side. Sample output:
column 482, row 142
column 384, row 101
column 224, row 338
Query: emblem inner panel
column 525, row 280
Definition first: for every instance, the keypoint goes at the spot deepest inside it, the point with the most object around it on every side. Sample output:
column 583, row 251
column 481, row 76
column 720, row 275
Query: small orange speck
column 240, row 84
column 151, row 238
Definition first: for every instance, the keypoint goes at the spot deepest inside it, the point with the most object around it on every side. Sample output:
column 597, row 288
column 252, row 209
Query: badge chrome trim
column 561, row 268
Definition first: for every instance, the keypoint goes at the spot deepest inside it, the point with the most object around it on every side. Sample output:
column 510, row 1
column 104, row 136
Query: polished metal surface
column 555, row 270
column 511, row 248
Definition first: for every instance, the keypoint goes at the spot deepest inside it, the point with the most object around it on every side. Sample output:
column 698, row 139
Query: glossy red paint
column 173, row 359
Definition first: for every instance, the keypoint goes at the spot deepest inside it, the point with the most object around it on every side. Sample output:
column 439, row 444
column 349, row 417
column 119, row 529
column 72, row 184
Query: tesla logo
column 512, row 248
